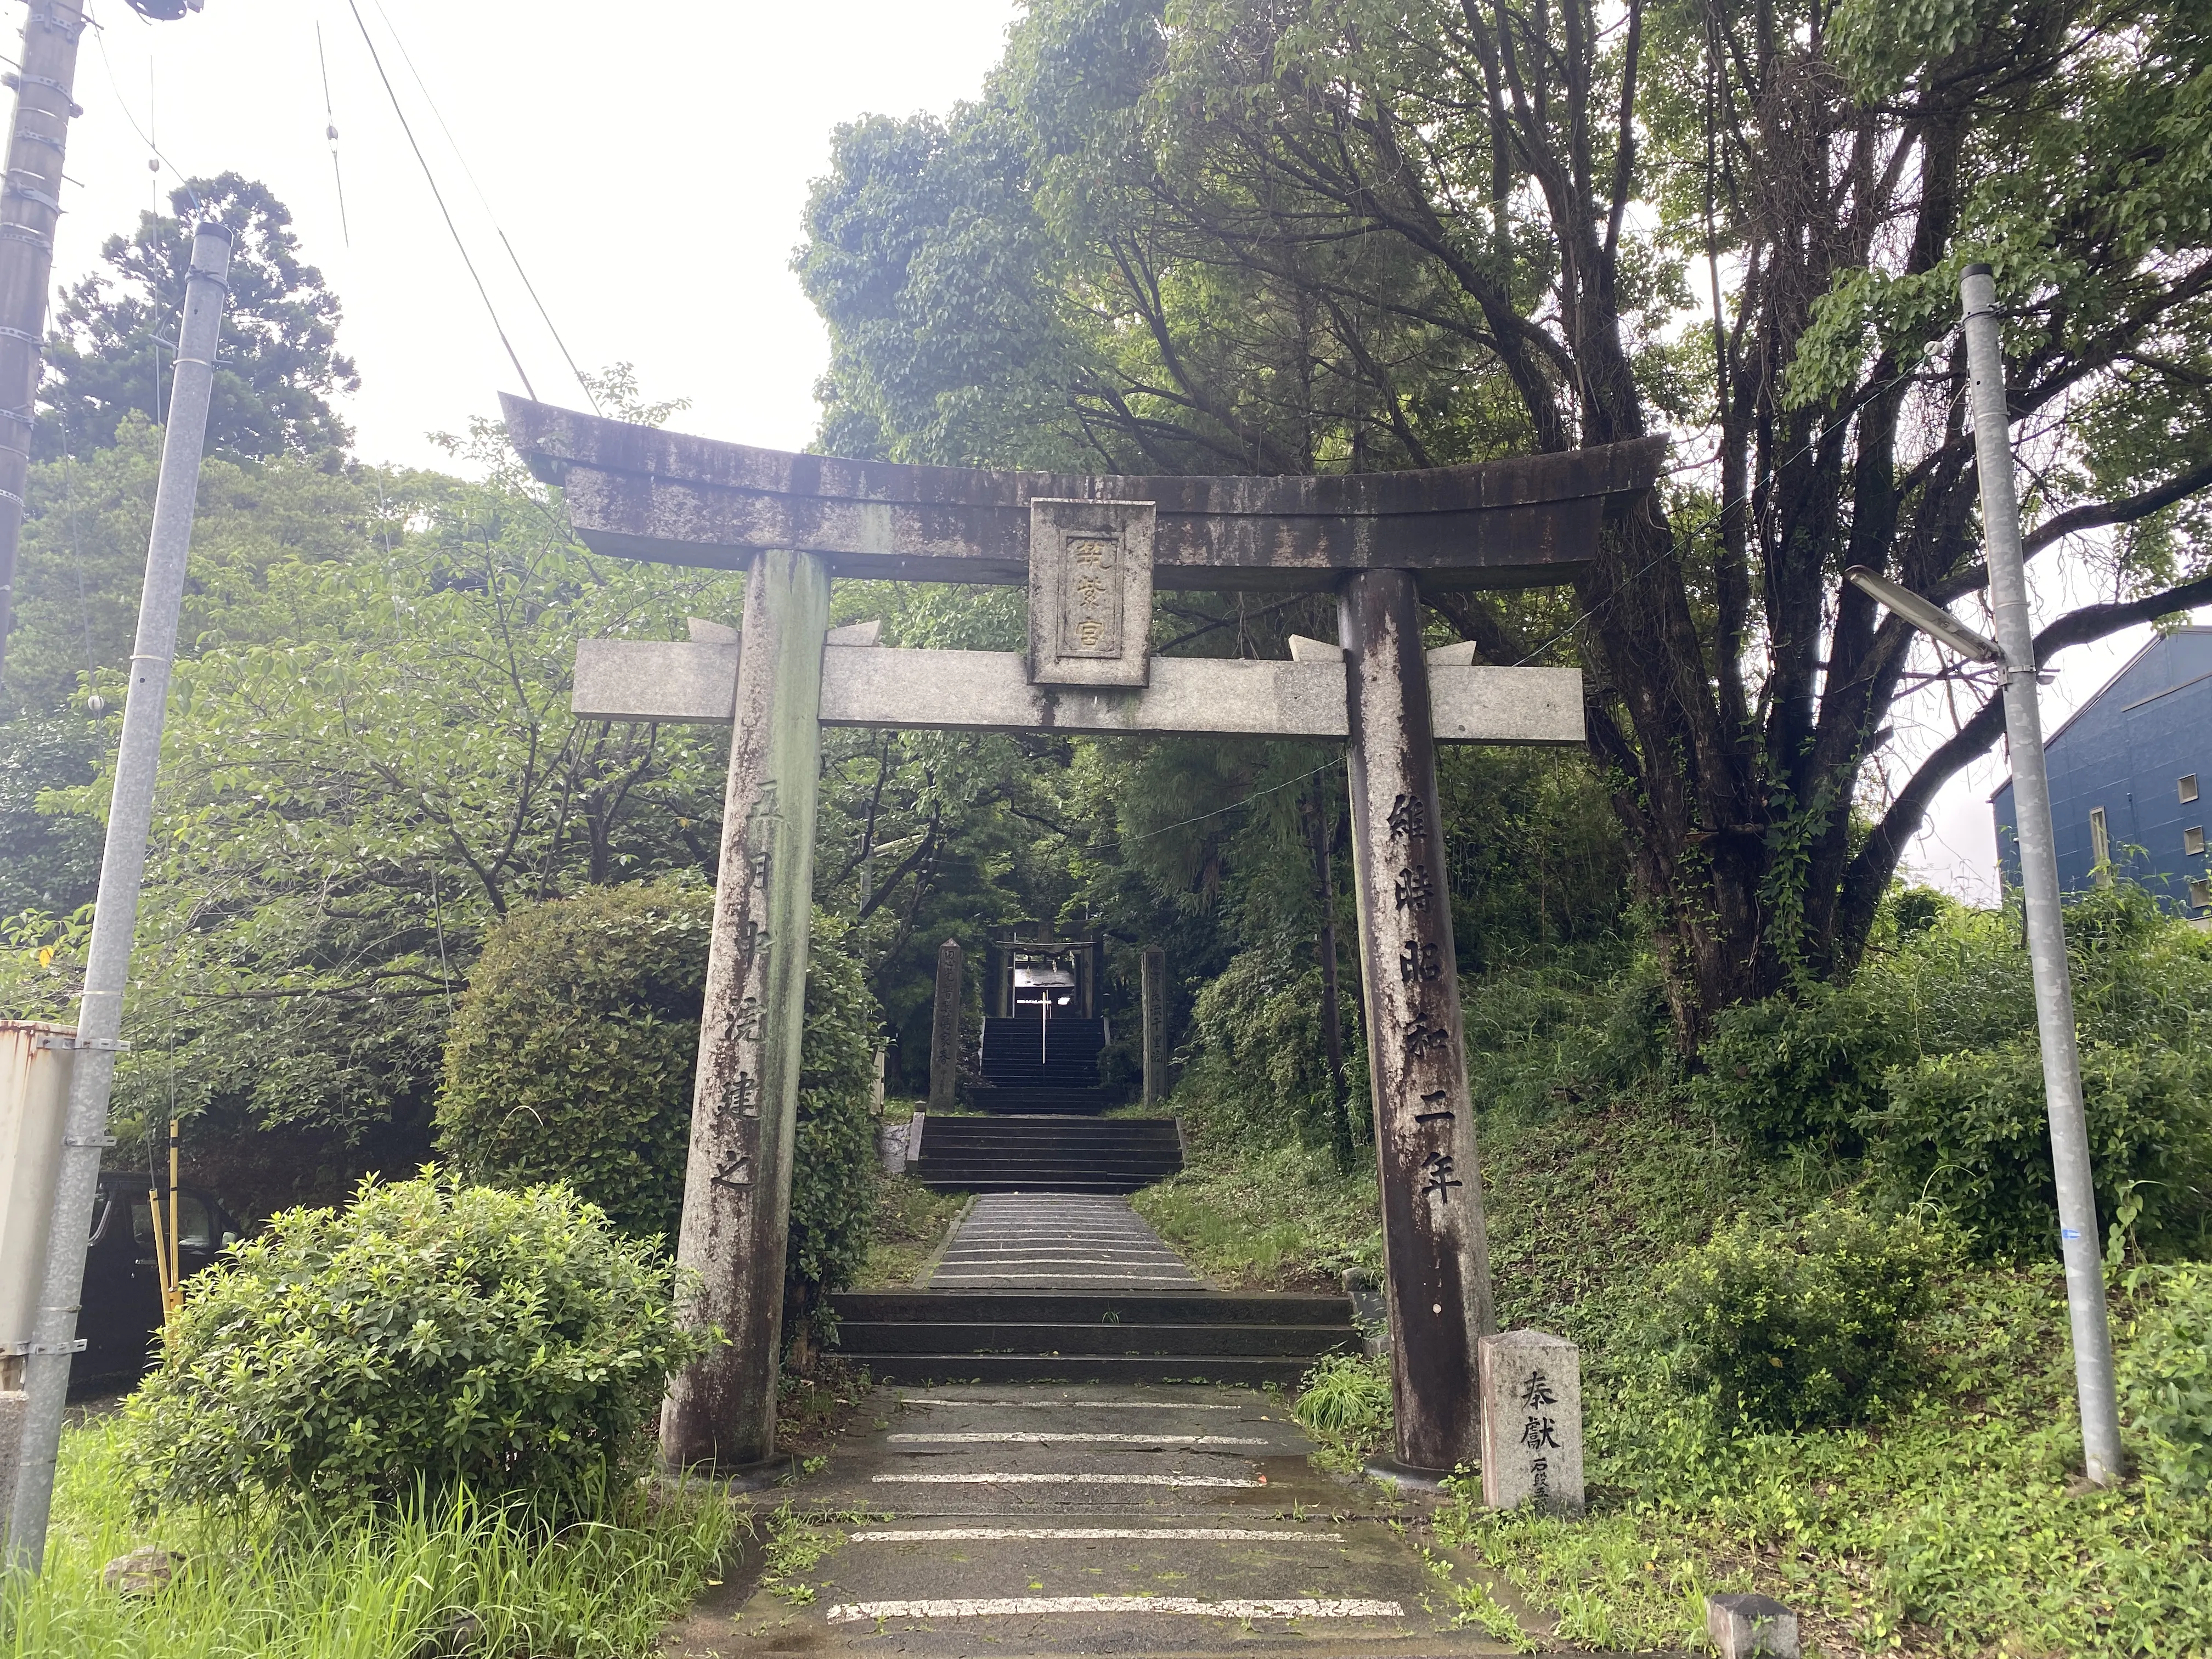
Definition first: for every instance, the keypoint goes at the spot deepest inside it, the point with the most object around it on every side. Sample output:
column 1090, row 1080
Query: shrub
column 1799, row 1065
column 571, row 1053
column 1971, row 1132
column 1788, row 1325
column 834, row 1166
column 571, row 1059
column 2165, row 1379
column 432, row 1336
column 1263, row 1067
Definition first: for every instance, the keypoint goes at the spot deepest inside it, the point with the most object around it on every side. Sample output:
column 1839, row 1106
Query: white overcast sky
column 649, row 165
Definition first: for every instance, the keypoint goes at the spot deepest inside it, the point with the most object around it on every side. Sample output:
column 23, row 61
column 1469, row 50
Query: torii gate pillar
column 1433, row 1241
column 745, row 1103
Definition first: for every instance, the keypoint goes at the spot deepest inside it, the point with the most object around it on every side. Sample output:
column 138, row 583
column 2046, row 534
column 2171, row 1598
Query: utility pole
column 2079, row 1241
column 122, row 866
column 30, row 206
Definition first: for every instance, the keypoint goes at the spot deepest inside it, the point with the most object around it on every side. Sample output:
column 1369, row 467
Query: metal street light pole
column 115, row 916
column 2039, row 877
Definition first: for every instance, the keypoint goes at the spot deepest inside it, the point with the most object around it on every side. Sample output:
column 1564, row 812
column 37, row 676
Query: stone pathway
column 1089, row 1520
column 1059, row 1242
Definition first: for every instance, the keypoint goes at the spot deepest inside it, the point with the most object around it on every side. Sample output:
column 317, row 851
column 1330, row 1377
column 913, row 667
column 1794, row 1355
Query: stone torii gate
column 1091, row 550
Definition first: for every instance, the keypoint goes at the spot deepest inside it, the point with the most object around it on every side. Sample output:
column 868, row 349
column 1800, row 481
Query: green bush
column 1970, row 1130
column 1927, row 1061
column 834, row 1167
column 1787, row 1325
column 1262, row 1068
column 571, row 1059
column 430, row 1337
column 2166, row 1378
column 571, row 1055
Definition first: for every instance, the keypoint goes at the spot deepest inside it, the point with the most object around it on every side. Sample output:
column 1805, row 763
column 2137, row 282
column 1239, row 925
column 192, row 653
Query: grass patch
column 1950, row 1524
column 465, row 1575
column 911, row 1221
column 1274, row 1218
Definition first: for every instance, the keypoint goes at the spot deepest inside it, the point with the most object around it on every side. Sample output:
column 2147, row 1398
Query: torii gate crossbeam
column 1091, row 550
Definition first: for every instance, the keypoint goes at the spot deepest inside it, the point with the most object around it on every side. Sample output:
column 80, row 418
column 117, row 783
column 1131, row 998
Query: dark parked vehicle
column 122, row 1302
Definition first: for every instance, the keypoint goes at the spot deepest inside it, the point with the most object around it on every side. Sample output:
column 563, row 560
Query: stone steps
column 1044, row 1154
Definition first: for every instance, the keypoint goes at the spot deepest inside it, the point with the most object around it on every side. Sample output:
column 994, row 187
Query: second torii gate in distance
column 1091, row 551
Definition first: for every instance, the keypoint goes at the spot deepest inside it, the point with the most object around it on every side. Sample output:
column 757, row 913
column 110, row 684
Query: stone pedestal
column 1532, row 1422
column 1153, row 975
column 1751, row 1627
column 945, row 1031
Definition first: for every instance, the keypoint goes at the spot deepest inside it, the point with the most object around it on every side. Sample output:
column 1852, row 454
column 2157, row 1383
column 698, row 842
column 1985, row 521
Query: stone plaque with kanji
column 1532, row 1422
column 1090, row 592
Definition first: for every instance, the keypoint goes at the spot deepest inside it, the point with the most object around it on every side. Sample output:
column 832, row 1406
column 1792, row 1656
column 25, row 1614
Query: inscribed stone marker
column 1532, row 1422
column 1090, row 592
column 945, row 1031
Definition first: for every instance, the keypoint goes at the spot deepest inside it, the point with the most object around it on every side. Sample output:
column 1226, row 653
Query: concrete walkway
column 1088, row 1520
column 1059, row 1242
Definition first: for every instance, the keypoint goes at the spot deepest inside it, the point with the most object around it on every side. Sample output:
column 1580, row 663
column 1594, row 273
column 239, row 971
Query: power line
column 438, row 195
column 330, row 126
column 470, row 173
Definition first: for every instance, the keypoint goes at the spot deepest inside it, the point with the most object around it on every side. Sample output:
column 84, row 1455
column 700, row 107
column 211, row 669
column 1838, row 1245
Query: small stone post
column 1532, row 1422
column 1153, row 977
column 945, row 1031
column 1433, row 1242
column 1751, row 1627
column 720, row 1409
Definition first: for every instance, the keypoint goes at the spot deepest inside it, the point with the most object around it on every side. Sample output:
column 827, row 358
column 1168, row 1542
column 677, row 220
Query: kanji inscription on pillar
column 1090, row 592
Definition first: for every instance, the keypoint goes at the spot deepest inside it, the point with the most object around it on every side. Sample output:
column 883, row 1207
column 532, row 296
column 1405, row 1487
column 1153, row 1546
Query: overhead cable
column 438, row 195
column 468, row 173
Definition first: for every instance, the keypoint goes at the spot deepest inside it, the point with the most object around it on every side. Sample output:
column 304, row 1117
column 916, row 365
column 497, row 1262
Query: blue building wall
column 2127, row 750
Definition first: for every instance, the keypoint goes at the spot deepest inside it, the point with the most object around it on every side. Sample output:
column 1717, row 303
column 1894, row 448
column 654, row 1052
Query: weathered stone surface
column 737, row 1183
column 945, row 1031
column 145, row 1572
column 1090, row 592
column 1532, row 1422
column 640, row 492
column 1742, row 1626
column 1433, row 1241
column 679, row 682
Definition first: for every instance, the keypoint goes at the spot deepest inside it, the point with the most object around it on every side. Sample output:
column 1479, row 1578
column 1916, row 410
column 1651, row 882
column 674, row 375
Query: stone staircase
column 1056, row 1153
column 1030, row 1065
column 922, row 1336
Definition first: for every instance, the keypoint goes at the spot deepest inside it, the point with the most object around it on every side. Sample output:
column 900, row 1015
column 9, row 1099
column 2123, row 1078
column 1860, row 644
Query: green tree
column 112, row 347
column 1237, row 236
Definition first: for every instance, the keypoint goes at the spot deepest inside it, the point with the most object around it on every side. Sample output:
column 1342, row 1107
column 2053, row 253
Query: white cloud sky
column 650, row 166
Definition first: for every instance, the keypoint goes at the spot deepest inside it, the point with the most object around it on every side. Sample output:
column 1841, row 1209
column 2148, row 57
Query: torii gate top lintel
column 641, row 492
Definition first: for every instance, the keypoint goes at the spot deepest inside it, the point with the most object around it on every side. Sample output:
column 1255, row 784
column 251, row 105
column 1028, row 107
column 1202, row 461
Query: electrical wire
column 330, row 127
column 439, row 195
column 1272, row 788
column 468, row 173
column 99, row 35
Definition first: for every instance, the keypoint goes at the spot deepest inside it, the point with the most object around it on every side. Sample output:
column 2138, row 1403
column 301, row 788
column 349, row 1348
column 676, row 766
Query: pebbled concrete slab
column 1087, row 1520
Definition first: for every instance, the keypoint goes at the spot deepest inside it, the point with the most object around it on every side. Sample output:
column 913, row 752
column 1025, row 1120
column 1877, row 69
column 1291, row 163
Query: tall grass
column 463, row 1573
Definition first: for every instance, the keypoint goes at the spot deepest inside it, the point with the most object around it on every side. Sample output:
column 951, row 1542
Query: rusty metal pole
column 736, row 1185
column 1152, row 989
column 1434, row 1249
column 945, row 1031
